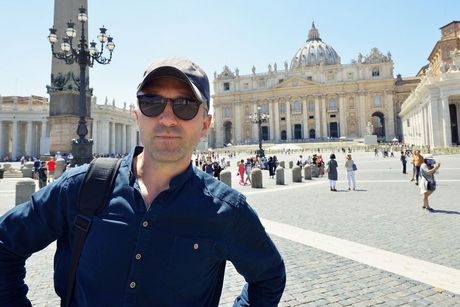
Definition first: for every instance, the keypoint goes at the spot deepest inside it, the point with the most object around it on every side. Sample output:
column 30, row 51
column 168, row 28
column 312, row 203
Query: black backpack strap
column 92, row 199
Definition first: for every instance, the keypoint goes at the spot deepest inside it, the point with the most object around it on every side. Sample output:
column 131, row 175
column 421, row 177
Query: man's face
column 167, row 138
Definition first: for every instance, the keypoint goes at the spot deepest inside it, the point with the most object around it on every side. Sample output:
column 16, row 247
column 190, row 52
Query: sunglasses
column 154, row 105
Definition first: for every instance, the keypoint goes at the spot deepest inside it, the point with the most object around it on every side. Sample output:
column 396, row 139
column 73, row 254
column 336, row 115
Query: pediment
column 295, row 82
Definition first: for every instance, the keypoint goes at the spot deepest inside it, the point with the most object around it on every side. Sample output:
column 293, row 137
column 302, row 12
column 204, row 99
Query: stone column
column 123, row 139
column 390, row 126
column 445, row 117
column 237, row 116
column 218, row 119
column 255, row 128
column 324, row 116
column 435, row 118
column 271, row 120
column 112, row 138
column 362, row 121
column 30, row 139
column 277, row 123
column 305, row 118
column 317, row 118
column 2, row 136
column 342, row 116
column 15, row 137
column 43, row 136
column 288, row 120
column 95, row 137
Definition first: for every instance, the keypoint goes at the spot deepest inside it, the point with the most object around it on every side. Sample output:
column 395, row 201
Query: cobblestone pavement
column 385, row 212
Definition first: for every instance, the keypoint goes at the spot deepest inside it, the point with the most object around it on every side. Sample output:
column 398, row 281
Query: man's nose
column 167, row 117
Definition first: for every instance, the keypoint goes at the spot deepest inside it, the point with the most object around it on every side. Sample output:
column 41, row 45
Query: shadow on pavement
column 445, row 211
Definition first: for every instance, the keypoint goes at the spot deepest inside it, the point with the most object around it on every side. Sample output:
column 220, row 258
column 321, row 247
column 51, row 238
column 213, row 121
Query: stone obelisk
column 64, row 88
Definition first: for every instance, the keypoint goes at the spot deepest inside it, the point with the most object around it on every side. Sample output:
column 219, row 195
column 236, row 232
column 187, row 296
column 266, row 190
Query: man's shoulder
column 219, row 190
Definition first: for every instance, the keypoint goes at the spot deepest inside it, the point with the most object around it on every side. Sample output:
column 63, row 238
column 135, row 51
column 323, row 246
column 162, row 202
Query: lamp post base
column 82, row 151
column 260, row 152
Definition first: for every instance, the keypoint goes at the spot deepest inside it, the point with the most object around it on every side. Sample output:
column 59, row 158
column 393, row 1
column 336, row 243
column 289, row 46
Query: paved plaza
column 372, row 246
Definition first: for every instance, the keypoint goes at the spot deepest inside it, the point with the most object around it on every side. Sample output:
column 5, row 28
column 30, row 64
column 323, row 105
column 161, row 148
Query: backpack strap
column 92, row 199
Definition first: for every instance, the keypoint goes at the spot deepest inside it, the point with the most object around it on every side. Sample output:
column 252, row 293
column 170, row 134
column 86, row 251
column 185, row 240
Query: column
column 237, row 138
column 112, row 138
column 305, row 118
column 15, row 138
column 362, row 114
column 95, row 136
column 271, row 120
column 342, row 116
column 255, row 126
column 123, row 139
column 317, row 118
column 218, row 125
column 390, row 126
column 2, row 136
column 44, row 141
column 324, row 117
column 447, row 132
column 288, row 120
column 30, row 139
column 277, row 133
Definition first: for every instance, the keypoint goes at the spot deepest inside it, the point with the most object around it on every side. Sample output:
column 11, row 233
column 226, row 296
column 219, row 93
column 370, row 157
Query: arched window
column 375, row 72
column 296, row 107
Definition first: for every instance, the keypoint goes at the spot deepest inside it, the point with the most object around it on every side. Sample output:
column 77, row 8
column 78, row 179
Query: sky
column 214, row 33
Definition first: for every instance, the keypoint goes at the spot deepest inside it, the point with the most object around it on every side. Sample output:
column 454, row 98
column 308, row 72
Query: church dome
column 314, row 52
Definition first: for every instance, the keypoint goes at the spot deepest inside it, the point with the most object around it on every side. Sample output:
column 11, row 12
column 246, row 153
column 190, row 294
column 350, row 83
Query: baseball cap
column 182, row 69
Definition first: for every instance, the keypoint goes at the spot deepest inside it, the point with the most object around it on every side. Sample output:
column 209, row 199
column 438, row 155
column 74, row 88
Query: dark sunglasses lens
column 185, row 109
column 151, row 105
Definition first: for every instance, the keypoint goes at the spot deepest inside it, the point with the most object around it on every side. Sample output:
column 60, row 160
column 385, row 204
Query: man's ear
column 206, row 125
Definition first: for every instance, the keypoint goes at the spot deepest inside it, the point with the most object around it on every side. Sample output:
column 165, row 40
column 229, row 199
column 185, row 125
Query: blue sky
column 216, row 33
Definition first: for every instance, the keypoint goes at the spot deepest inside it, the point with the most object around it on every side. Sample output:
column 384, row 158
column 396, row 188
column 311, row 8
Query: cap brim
column 169, row 71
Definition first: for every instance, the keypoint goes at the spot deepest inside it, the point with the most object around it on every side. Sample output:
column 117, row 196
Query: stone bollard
column 226, row 177
column 279, row 176
column 228, row 163
column 291, row 164
column 314, row 171
column 60, row 166
column 24, row 188
column 28, row 170
column 307, row 172
column 256, row 178
column 297, row 174
column 282, row 164
column 7, row 167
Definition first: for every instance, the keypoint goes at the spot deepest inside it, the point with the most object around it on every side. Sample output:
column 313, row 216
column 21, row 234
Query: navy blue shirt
column 172, row 254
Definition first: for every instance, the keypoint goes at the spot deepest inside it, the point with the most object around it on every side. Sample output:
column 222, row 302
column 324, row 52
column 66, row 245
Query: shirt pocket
column 195, row 267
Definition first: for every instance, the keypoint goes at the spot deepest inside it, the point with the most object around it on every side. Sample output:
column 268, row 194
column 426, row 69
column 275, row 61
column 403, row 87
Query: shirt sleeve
column 25, row 229
column 256, row 258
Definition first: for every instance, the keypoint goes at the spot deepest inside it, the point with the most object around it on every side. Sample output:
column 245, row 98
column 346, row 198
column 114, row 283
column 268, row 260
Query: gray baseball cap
column 182, row 69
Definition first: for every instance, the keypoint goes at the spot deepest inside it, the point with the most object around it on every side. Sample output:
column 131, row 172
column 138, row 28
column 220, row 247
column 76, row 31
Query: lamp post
column 259, row 118
column 84, row 56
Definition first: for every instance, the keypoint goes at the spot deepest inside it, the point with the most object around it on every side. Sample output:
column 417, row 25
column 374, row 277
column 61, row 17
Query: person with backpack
column 428, row 184
column 162, row 234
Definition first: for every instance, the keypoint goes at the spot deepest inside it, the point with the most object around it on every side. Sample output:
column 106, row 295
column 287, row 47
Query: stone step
column 12, row 175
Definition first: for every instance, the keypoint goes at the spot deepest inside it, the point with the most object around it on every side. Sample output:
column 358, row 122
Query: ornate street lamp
column 84, row 56
column 259, row 118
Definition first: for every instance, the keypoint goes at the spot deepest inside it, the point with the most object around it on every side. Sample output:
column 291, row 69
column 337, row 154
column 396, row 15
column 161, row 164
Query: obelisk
column 64, row 89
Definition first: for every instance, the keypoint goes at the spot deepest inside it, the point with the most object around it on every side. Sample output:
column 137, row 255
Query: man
column 51, row 165
column 165, row 235
column 42, row 175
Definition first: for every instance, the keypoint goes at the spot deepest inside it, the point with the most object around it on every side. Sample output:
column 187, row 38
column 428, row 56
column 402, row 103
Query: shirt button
column 145, row 224
column 132, row 285
column 138, row 256
column 195, row 246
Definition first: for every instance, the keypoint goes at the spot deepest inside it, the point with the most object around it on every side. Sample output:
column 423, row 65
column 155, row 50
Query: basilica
column 314, row 97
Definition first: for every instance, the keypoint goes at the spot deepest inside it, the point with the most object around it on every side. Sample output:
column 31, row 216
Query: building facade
column 25, row 129
column 314, row 97
column 431, row 113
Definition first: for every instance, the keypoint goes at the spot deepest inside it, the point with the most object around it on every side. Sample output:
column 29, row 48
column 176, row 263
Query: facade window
column 377, row 101
column 264, row 108
column 282, row 108
column 351, row 103
column 311, row 106
column 408, row 123
column 280, row 81
column 350, row 76
column 375, row 72
column 226, row 86
column 332, row 105
column 309, row 78
column 296, row 107
column 227, row 112
column 332, row 115
column 246, row 86
column 311, row 117
column 262, row 83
